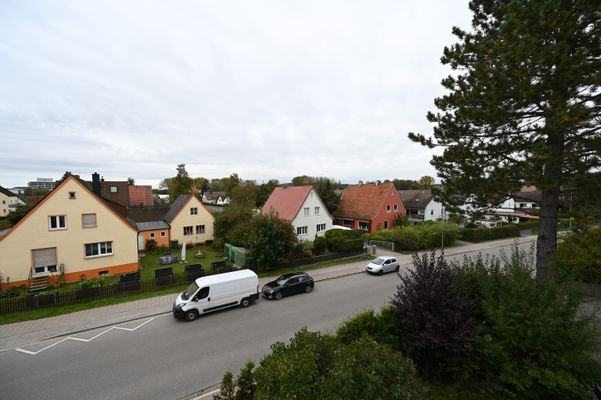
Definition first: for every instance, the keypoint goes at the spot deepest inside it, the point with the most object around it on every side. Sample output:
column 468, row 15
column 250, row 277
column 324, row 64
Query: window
column 88, row 220
column 306, row 210
column 152, row 235
column 202, row 293
column 316, row 210
column 113, row 189
column 187, row 230
column 163, row 233
column 321, row 227
column 431, row 212
column 385, row 224
column 57, row 222
column 396, row 207
column 388, row 208
column 364, row 226
column 99, row 249
column 44, row 260
column 194, row 211
column 301, row 230
column 71, row 195
column 200, row 229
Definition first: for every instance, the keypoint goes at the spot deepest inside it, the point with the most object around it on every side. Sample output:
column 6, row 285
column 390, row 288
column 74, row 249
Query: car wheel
column 278, row 296
column 381, row 272
column 191, row 315
column 396, row 269
column 245, row 302
column 308, row 289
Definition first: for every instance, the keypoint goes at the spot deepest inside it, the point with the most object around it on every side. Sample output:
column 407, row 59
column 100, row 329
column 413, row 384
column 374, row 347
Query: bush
column 382, row 328
column 532, row 345
column 343, row 241
column 419, row 237
column 320, row 245
column 438, row 319
column 579, row 257
column 476, row 235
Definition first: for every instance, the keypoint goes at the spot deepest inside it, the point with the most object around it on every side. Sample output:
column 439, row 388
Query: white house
column 8, row 201
column 421, row 206
column 302, row 207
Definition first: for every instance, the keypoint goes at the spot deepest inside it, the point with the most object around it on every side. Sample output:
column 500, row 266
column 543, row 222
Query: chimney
column 96, row 183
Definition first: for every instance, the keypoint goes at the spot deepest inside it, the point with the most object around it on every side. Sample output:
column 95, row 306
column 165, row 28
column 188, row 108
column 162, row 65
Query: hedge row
column 343, row 241
column 419, row 237
column 477, row 235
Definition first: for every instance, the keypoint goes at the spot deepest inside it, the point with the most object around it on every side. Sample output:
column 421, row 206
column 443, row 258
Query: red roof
column 286, row 201
column 363, row 201
column 140, row 195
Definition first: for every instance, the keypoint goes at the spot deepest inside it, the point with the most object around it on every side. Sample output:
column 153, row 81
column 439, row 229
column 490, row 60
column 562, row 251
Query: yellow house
column 71, row 234
column 190, row 220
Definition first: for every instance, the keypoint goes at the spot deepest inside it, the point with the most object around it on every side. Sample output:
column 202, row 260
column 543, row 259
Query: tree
column 232, row 225
column 264, row 190
column 271, row 240
column 426, row 182
column 179, row 184
column 523, row 106
column 200, row 185
column 245, row 194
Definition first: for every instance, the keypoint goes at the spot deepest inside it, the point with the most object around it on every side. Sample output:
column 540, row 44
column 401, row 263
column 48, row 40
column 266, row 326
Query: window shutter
column 44, row 257
column 89, row 220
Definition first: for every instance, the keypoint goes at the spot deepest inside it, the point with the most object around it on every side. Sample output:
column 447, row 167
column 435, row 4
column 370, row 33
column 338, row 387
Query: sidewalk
column 30, row 332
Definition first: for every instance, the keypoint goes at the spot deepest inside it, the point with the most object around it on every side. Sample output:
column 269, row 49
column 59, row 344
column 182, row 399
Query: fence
column 54, row 299
column 382, row 244
column 312, row 260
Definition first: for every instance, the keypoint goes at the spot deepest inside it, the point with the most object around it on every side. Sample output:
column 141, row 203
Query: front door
column 44, row 262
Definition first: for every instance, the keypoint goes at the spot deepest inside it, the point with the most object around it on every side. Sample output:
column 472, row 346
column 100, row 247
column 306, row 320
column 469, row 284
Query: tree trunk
column 546, row 244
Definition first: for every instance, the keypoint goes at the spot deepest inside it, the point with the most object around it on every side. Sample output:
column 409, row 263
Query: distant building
column 8, row 201
column 42, row 183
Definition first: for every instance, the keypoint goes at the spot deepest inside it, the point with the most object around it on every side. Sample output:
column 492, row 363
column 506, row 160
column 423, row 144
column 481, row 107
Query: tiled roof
column 415, row 198
column 147, row 214
column 533, row 195
column 151, row 226
column 215, row 195
column 286, row 201
column 363, row 201
column 121, row 196
column 140, row 195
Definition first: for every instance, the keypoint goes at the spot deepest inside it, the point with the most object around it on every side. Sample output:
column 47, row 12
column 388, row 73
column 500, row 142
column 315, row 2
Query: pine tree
column 523, row 106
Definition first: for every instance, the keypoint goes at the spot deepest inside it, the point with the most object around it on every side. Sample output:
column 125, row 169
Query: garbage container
column 373, row 249
column 174, row 245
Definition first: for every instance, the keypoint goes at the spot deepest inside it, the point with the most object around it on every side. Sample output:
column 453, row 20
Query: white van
column 215, row 292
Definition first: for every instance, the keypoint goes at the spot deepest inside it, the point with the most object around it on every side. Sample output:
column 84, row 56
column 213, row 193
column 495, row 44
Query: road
column 163, row 358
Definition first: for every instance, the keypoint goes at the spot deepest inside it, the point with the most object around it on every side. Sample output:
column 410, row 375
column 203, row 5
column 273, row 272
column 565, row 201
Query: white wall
column 311, row 221
column 433, row 211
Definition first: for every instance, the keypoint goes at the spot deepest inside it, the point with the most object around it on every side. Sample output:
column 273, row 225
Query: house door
column 44, row 261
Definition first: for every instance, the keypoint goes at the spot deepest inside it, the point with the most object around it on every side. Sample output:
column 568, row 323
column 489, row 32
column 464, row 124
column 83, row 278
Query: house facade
column 302, row 207
column 421, row 206
column 190, row 221
column 71, row 234
column 217, row 198
column 8, row 201
column 369, row 207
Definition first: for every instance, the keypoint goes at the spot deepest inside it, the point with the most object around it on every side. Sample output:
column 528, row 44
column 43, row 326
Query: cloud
column 266, row 89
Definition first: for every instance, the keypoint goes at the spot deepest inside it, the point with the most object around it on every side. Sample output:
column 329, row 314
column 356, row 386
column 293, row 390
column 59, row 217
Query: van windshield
column 189, row 291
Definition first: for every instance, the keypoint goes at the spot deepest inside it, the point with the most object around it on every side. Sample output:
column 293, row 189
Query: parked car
column 382, row 264
column 287, row 284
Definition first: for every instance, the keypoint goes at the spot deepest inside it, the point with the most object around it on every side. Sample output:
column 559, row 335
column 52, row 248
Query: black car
column 287, row 284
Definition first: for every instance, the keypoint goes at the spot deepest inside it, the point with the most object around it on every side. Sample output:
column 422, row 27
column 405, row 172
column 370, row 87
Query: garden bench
column 194, row 271
column 130, row 281
column 220, row 266
column 163, row 276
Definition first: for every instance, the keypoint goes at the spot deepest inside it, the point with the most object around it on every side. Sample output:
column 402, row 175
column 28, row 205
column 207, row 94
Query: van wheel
column 191, row 315
column 308, row 289
column 245, row 302
column 278, row 296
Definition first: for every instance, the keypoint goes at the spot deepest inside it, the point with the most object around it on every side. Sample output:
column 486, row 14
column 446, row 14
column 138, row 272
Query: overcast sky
column 266, row 89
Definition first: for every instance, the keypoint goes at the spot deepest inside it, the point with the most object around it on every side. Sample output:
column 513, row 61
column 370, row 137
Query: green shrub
column 150, row 245
column 476, row 235
column 341, row 241
column 532, row 344
column 579, row 257
column 382, row 327
column 320, row 245
column 419, row 237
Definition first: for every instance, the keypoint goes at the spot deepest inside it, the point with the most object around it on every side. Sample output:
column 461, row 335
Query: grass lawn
column 150, row 262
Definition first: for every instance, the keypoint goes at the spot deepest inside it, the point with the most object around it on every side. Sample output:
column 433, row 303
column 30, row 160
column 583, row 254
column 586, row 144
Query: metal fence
column 64, row 298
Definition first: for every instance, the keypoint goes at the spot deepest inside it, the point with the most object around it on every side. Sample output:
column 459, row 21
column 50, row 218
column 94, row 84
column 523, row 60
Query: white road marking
column 33, row 353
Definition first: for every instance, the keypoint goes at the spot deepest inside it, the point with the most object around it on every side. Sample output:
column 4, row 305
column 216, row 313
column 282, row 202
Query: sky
column 264, row 89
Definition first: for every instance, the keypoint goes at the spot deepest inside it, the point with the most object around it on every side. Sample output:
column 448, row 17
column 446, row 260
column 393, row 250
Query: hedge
column 418, row 237
column 476, row 235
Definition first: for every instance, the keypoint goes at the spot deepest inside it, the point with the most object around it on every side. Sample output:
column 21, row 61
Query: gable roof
column 363, row 201
column 7, row 192
column 286, row 201
column 56, row 189
column 179, row 204
column 530, row 195
column 415, row 198
column 215, row 195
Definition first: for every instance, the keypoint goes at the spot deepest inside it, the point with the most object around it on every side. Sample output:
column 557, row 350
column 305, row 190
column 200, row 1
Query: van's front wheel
column 191, row 315
column 245, row 302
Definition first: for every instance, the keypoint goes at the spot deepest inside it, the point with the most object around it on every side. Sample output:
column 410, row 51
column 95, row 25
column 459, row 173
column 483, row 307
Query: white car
column 382, row 264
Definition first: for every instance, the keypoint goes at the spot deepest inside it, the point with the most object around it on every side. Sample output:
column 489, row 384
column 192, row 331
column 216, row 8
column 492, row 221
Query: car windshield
column 378, row 261
column 284, row 278
column 189, row 291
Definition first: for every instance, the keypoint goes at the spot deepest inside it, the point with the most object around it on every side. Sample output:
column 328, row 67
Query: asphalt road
column 170, row 359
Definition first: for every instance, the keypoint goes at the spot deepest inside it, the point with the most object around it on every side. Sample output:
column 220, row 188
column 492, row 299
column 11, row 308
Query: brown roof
column 286, row 201
column 140, row 195
column 7, row 192
column 363, row 201
column 148, row 214
column 120, row 196
column 415, row 198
